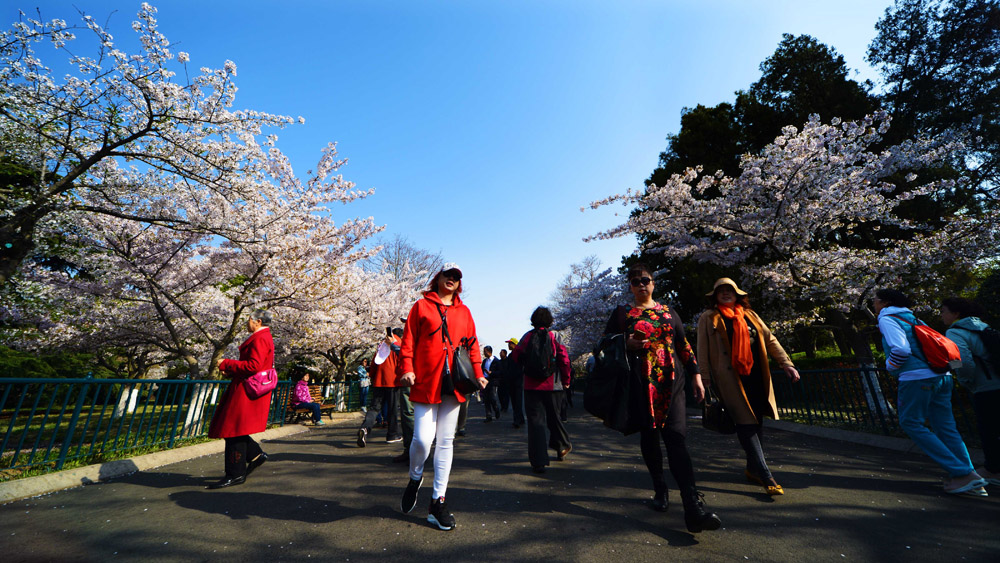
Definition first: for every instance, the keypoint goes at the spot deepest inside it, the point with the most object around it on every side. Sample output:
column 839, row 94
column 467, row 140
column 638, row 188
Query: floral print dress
column 666, row 337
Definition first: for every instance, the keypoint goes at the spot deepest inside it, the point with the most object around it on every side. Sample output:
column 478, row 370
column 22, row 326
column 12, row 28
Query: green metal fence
column 47, row 422
column 857, row 399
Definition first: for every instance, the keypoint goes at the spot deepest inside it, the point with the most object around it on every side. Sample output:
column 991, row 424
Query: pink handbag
column 261, row 383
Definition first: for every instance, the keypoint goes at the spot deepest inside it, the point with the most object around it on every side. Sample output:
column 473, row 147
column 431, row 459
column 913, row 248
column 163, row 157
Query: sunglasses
column 636, row 282
column 453, row 275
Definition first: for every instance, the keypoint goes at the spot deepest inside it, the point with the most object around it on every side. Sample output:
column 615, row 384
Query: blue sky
column 485, row 126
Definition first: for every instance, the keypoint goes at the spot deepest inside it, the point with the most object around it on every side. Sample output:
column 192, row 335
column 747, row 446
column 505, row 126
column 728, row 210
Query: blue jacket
column 903, row 357
column 973, row 374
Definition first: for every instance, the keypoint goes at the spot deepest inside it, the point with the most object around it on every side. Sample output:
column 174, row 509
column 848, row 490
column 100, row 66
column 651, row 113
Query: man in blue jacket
column 924, row 395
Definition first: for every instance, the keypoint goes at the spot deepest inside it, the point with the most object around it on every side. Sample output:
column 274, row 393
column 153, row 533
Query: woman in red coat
column 237, row 415
column 425, row 348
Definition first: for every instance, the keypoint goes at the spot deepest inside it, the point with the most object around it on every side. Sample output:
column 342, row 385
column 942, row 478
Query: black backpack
column 538, row 361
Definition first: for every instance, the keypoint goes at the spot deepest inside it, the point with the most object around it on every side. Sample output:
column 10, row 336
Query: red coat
column 385, row 373
column 238, row 414
column 423, row 352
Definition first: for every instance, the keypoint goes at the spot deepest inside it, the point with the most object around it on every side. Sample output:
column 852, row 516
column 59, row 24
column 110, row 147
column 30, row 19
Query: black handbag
column 459, row 374
column 714, row 415
column 463, row 375
column 610, row 366
column 614, row 392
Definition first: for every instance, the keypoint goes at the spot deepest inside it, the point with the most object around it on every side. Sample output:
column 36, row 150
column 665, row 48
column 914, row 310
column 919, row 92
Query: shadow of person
column 241, row 505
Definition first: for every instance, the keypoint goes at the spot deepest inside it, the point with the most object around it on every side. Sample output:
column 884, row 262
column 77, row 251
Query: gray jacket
column 972, row 375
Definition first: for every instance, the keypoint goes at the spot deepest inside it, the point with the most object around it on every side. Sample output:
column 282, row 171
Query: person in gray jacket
column 979, row 374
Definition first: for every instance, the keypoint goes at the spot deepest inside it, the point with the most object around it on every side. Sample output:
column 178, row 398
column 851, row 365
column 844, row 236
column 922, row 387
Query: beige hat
column 725, row 281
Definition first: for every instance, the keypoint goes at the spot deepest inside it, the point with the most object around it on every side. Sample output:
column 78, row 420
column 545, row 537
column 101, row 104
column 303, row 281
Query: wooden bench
column 295, row 413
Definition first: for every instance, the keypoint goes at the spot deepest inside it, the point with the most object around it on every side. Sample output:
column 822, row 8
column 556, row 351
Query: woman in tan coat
column 733, row 349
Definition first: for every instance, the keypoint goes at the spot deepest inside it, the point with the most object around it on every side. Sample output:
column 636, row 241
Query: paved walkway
column 322, row 497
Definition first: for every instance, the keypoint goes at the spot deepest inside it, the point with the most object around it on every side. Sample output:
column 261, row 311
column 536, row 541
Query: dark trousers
column 463, row 414
column 239, row 450
column 751, row 437
column 317, row 413
column 674, row 436
column 405, row 416
column 987, row 407
column 503, row 394
column 383, row 396
column 491, row 402
column 543, row 414
column 516, row 388
column 564, row 412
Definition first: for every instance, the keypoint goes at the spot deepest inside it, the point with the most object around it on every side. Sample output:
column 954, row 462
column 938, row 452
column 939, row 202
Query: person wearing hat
column 514, row 379
column 437, row 324
column 734, row 346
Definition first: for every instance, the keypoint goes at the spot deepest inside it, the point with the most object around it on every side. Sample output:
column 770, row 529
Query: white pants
column 429, row 422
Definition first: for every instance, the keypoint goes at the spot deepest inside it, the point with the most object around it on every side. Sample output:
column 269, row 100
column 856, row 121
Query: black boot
column 695, row 517
column 659, row 502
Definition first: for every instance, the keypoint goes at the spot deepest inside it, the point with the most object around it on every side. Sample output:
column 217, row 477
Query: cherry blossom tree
column 811, row 225
column 119, row 137
column 188, row 295
column 174, row 214
column 583, row 302
column 369, row 297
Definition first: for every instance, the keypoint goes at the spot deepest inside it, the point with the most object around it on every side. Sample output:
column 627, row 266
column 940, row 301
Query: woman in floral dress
column 655, row 340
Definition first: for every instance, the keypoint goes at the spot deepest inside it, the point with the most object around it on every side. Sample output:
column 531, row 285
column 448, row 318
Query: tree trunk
column 127, row 401
column 806, row 341
column 202, row 395
column 17, row 240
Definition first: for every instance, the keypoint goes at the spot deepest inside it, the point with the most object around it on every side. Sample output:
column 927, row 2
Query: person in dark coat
column 238, row 416
column 513, row 377
column 654, row 337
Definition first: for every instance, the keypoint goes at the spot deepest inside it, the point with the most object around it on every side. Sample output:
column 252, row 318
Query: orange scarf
column 741, row 352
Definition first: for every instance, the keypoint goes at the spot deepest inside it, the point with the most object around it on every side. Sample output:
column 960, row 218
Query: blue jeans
column 928, row 402
column 317, row 413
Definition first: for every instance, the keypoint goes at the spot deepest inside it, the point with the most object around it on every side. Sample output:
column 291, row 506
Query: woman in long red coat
column 237, row 415
column 426, row 346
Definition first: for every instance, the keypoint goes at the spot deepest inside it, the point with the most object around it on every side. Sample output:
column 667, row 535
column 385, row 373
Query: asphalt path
column 321, row 497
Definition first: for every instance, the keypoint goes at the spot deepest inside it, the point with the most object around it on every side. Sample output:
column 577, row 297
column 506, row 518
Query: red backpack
column 941, row 353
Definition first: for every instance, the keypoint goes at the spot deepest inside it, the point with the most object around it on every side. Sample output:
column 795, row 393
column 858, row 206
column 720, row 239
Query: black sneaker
column 410, row 495
column 362, row 434
column 439, row 516
column 394, row 439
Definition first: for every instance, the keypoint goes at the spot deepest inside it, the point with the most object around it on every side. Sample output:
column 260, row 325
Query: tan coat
column 716, row 364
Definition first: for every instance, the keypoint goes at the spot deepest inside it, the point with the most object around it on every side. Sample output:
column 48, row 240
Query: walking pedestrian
column 980, row 374
column 924, row 395
column 363, row 383
column 654, row 338
column 734, row 346
column 385, row 395
column 490, row 400
column 503, row 387
column 238, row 416
column 545, row 363
column 436, row 324
column 513, row 375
